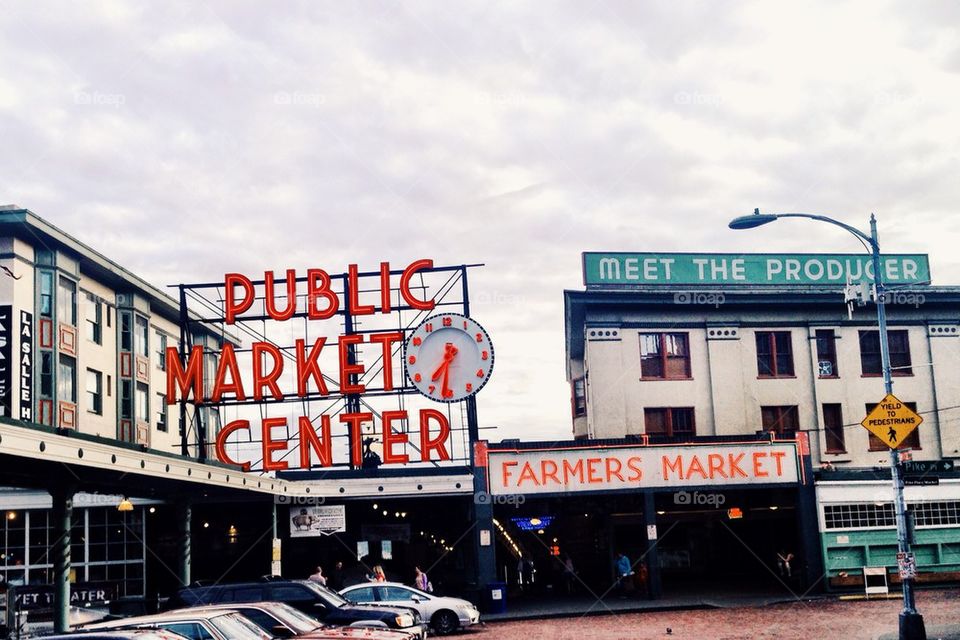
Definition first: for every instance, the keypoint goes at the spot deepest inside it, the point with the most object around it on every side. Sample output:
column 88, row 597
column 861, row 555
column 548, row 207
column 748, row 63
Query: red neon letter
column 185, row 379
column 270, row 445
column 228, row 364
column 221, row 446
column 309, row 441
column 347, row 369
column 231, row 307
column 387, row 340
column 439, row 443
column 385, row 287
column 261, row 379
column 390, row 438
column 356, row 420
column 318, row 287
column 353, row 294
column 416, row 303
column 269, row 294
column 308, row 366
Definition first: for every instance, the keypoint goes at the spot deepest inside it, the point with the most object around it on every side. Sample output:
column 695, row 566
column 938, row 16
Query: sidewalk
column 566, row 607
column 945, row 632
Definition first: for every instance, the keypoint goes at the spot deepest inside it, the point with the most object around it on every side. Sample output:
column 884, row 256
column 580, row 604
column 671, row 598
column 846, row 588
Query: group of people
column 376, row 574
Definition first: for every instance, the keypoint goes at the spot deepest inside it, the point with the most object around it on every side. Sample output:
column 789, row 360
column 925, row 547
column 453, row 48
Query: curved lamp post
column 911, row 622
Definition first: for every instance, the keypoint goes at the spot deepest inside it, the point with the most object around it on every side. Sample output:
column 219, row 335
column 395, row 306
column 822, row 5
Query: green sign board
column 803, row 269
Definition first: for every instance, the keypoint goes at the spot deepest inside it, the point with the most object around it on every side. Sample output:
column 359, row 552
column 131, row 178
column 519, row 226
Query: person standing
column 318, row 577
column 569, row 574
column 378, row 574
column 624, row 570
column 335, row 580
column 784, row 562
column 421, row 581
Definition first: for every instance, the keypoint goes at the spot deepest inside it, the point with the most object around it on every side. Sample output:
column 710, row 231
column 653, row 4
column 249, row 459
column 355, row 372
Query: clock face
column 448, row 357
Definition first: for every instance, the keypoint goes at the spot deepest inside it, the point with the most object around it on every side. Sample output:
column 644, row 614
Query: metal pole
column 62, row 514
column 184, row 559
column 911, row 622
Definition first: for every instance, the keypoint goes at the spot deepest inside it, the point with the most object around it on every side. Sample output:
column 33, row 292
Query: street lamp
column 911, row 622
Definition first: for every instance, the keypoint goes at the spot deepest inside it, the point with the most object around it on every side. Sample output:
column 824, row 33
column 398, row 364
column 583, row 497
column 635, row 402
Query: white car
column 445, row 615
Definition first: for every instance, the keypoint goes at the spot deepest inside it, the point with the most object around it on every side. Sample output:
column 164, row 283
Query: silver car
column 194, row 625
column 445, row 615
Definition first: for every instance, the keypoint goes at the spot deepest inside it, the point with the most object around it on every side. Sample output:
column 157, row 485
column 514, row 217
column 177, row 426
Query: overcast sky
column 187, row 140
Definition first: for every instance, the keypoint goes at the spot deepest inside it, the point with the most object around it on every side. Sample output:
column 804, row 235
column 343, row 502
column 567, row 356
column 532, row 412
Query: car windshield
column 298, row 621
column 236, row 627
column 330, row 596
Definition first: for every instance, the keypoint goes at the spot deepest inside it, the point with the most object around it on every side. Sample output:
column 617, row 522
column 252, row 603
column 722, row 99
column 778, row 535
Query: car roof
column 176, row 614
column 229, row 606
column 380, row 584
column 120, row 634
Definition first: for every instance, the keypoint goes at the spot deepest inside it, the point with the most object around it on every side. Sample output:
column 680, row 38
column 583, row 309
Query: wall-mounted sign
column 313, row 521
column 631, row 468
column 692, row 269
column 25, row 358
column 6, row 360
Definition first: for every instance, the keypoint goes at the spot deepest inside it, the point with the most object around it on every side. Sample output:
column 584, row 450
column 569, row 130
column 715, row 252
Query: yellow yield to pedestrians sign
column 891, row 421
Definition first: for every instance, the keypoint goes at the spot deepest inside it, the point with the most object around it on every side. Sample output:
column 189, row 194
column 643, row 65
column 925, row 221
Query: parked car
column 445, row 615
column 311, row 598
column 119, row 634
column 193, row 625
column 283, row 621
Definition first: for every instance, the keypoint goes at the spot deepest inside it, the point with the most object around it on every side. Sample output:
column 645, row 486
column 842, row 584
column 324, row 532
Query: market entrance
column 729, row 542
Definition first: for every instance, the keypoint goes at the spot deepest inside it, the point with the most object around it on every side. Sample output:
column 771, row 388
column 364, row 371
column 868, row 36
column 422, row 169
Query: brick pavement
column 821, row 619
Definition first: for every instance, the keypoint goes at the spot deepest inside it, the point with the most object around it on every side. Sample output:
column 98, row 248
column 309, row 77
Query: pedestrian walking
column 569, row 574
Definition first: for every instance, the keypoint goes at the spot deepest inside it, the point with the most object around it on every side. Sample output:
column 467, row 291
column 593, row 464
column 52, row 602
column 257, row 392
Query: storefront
column 691, row 517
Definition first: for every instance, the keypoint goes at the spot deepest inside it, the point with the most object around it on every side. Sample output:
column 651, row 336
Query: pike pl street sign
column 891, row 421
column 926, row 466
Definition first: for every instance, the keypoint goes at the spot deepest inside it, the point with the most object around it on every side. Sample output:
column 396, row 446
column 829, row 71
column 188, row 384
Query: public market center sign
column 601, row 269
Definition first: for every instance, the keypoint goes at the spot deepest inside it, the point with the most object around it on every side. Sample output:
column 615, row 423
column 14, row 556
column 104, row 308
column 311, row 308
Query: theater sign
column 575, row 470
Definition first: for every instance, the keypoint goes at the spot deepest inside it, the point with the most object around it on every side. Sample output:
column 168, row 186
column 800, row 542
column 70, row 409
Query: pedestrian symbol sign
column 891, row 421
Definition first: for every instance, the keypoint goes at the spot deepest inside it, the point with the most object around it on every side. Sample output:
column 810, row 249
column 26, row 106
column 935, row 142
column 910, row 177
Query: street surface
column 820, row 619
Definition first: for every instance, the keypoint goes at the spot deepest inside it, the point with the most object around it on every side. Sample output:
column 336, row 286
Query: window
column 871, row 362
column 191, row 630
column 912, row 441
column 858, row 516
column 67, row 379
column 363, row 594
column 161, row 412
column 126, row 331
column 46, row 374
column 782, row 420
column 46, row 294
column 833, row 428
column 669, row 421
column 827, row 353
column 141, row 336
column 395, row 594
column 291, row 593
column 94, row 318
column 932, row 514
column 67, row 301
column 162, row 351
column 143, row 402
column 664, row 355
column 94, row 392
column 774, row 354
column 579, row 398
column 126, row 399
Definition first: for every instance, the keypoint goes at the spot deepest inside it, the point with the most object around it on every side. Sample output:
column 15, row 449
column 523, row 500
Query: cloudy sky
column 187, row 140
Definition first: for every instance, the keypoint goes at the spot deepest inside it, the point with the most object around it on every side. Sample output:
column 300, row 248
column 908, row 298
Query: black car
column 309, row 597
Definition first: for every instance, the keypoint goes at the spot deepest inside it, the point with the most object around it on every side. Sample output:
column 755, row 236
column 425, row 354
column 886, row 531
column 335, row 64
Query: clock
column 448, row 357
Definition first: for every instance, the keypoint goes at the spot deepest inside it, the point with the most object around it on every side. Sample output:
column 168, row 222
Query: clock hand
column 445, row 390
column 449, row 353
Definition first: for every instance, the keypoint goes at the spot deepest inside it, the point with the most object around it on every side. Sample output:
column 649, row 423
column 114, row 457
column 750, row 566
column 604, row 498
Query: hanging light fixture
column 125, row 505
